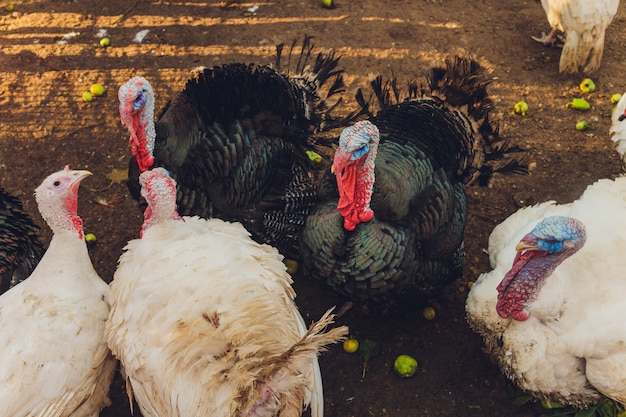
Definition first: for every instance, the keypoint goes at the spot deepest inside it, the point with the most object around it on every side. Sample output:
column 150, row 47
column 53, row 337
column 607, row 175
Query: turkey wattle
column 391, row 222
column 236, row 141
column 550, row 310
column 20, row 247
column 584, row 23
column 55, row 361
column 230, row 340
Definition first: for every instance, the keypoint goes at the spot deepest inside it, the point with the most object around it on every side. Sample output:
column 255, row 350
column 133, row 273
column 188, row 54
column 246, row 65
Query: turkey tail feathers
column 20, row 247
column 460, row 86
column 462, row 83
column 308, row 82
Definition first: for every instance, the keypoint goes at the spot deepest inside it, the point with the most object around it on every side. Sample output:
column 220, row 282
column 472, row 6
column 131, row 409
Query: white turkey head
column 553, row 240
column 57, row 199
column 159, row 190
column 137, row 111
column 354, row 167
column 618, row 127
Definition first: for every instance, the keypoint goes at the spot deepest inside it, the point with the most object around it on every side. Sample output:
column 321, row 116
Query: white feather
column 199, row 312
column 618, row 128
column 584, row 23
column 573, row 346
column 55, row 361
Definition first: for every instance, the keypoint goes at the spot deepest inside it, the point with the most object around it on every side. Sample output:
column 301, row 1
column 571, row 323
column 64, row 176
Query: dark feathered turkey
column 236, row 141
column 392, row 221
column 20, row 247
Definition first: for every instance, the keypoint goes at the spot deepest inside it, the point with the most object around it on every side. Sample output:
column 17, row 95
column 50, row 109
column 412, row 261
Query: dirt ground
column 50, row 54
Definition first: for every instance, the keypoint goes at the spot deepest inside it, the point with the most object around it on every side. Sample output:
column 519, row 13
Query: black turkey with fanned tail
column 392, row 216
column 239, row 140
column 20, row 247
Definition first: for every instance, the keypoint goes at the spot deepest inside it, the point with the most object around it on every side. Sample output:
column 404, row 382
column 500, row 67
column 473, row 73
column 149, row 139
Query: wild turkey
column 236, row 140
column 20, row 246
column 584, row 23
column 618, row 127
column 392, row 221
column 55, row 361
column 551, row 309
column 229, row 341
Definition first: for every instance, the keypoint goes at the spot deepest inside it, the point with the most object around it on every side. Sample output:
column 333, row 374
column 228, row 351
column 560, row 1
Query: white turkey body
column 55, row 361
column 584, row 23
column 572, row 346
column 618, row 127
column 204, row 321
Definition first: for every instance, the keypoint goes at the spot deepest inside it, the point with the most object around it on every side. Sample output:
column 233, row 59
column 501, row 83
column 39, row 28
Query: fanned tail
column 309, row 81
column 20, row 247
column 461, row 87
column 462, row 84
column 316, row 84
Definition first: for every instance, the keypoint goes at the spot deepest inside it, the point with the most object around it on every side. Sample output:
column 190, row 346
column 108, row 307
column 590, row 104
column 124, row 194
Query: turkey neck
column 56, row 261
column 355, row 181
column 522, row 284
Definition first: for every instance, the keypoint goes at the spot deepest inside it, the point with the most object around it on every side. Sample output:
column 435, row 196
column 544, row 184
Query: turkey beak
column 622, row 117
column 525, row 245
column 78, row 176
column 339, row 162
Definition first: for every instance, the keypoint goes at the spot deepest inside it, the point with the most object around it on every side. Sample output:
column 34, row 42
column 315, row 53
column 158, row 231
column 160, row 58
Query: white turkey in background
column 551, row 310
column 618, row 127
column 55, row 361
column 204, row 321
column 584, row 23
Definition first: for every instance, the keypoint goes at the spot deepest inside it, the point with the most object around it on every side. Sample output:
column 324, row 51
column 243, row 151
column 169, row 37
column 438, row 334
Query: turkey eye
column 56, row 183
column 360, row 151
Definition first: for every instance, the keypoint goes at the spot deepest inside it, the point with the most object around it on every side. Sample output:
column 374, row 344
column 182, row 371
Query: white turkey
column 227, row 339
column 55, row 361
column 20, row 246
column 236, row 141
column 618, row 127
column 584, row 23
column 551, row 310
column 390, row 224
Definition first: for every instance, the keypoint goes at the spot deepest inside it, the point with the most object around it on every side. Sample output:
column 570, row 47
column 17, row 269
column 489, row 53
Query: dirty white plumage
column 54, row 359
column 618, row 127
column 572, row 347
column 584, row 23
column 204, row 321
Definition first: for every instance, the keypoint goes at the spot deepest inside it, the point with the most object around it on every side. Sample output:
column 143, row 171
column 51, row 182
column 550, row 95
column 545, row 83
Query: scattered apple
column 87, row 96
column 615, row 98
column 351, row 345
column 582, row 125
column 521, row 107
column 578, row 104
column 429, row 313
column 96, row 89
column 104, row 42
column 405, row 366
column 314, row 156
column 587, row 85
column 327, row 3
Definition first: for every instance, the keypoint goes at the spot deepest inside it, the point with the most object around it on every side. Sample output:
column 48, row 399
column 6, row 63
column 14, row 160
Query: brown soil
column 44, row 125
